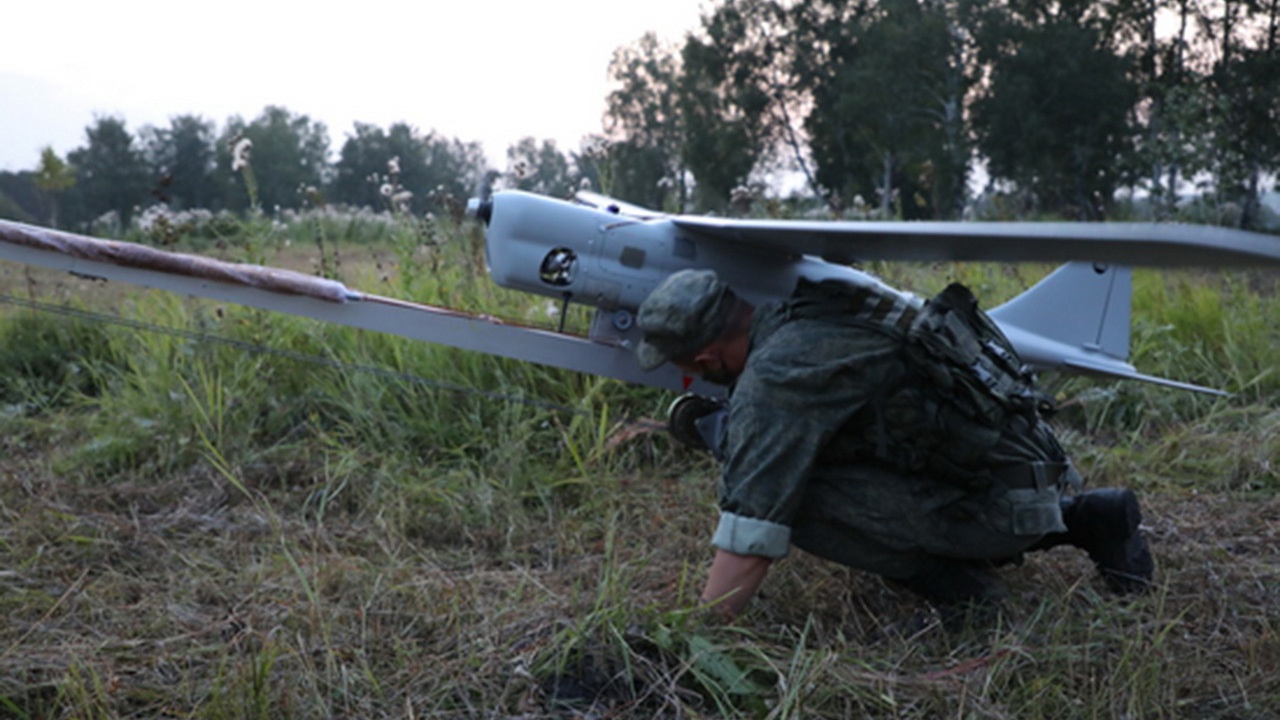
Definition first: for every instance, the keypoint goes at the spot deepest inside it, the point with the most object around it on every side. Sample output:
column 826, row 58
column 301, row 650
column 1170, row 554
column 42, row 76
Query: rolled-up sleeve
column 764, row 479
column 772, row 444
column 793, row 397
column 750, row 536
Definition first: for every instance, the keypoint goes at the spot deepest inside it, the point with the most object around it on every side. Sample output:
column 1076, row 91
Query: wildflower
column 741, row 199
column 596, row 147
column 240, row 152
column 393, row 166
column 386, row 190
column 585, row 184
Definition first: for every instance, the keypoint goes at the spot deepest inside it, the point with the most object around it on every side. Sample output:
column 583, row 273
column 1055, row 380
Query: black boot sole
column 1118, row 547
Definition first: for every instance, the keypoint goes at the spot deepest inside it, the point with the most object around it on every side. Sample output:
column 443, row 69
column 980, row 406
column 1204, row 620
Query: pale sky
column 492, row 71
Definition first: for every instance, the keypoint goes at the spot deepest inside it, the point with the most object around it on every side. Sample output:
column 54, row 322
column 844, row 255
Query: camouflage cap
column 682, row 315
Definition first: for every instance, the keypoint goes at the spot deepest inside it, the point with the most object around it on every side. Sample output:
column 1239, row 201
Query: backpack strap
column 860, row 305
column 951, row 330
column 971, row 389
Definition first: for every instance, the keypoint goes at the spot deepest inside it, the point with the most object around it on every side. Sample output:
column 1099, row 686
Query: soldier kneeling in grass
column 899, row 437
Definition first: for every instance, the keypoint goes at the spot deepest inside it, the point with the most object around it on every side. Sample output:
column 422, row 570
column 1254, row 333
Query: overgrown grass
column 195, row 530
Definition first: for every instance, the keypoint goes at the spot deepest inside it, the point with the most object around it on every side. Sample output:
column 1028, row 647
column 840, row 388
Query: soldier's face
column 709, row 367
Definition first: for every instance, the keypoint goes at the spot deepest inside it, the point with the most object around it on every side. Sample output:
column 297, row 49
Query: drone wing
column 1138, row 244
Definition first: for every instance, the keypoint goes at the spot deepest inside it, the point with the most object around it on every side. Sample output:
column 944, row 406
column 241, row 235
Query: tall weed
column 310, row 521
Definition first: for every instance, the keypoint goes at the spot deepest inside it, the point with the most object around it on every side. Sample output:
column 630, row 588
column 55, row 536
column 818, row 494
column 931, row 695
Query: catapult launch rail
column 300, row 294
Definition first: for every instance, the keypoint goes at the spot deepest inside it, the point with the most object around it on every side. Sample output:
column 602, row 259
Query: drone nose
column 481, row 210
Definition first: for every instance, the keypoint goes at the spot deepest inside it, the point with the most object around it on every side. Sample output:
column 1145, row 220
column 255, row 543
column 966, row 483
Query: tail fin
column 1077, row 319
column 1080, row 305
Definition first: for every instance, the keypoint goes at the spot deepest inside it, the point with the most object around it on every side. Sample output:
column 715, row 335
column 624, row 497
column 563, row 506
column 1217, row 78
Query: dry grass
column 385, row 551
column 189, row 597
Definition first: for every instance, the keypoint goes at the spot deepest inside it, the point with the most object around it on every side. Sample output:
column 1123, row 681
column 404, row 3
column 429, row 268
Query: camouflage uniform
column 828, row 447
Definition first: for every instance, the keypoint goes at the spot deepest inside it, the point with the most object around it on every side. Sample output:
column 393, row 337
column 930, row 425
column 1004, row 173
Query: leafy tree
column 641, row 174
column 364, row 163
column 540, row 168
column 726, row 94
column 457, row 167
column 289, row 153
column 1205, row 75
column 591, row 163
column 111, row 173
column 425, row 164
column 1245, row 118
column 184, row 158
column 10, row 207
column 21, row 200
column 888, row 82
column 644, row 126
column 1160, row 118
column 362, row 166
column 53, row 177
column 1055, row 117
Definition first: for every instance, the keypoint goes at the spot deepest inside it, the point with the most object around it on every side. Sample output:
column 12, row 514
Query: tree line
column 896, row 107
column 278, row 160
column 898, row 103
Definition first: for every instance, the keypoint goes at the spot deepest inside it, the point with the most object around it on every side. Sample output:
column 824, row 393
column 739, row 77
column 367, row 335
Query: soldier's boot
column 698, row 421
column 964, row 593
column 1105, row 523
